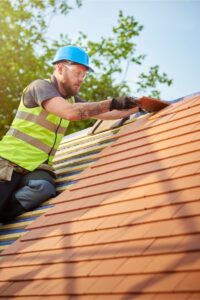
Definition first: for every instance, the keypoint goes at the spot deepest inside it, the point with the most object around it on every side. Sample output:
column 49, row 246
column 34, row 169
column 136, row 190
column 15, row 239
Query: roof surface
column 76, row 152
column 128, row 229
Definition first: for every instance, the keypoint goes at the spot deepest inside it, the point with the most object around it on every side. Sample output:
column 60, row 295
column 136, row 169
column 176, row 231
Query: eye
column 76, row 73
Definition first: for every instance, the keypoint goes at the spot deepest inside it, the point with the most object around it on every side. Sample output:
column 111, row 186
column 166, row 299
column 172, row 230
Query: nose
column 80, row 79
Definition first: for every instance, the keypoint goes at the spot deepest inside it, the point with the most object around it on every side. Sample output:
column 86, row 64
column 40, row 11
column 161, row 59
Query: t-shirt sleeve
column 39, row 91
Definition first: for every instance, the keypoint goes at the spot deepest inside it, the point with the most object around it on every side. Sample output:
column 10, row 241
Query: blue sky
column 170, row 38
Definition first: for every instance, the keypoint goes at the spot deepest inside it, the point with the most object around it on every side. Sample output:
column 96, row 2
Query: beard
column 70, row 90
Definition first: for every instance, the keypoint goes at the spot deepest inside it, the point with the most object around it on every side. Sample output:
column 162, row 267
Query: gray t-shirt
column 40, row 90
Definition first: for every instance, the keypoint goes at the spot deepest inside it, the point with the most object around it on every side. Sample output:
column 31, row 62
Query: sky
column 170, row 37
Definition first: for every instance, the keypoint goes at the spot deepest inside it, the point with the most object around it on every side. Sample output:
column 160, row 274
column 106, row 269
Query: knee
column 34, row 193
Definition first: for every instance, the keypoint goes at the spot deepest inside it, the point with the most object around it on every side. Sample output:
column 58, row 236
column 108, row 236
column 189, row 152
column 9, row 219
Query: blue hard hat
column 74, row 54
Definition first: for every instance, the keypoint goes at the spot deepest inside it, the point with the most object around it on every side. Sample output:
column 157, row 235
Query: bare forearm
column 83, row 111
column 76, row 111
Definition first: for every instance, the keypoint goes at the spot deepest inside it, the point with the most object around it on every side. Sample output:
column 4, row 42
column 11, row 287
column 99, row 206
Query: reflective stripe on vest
column 40, row 121
column 34, row 142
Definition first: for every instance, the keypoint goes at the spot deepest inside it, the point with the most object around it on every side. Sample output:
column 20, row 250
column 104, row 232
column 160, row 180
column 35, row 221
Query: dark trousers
column 24, row 193
column 9, row 206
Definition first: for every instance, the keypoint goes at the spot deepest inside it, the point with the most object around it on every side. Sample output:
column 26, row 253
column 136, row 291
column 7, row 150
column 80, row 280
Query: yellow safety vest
column 33, row 137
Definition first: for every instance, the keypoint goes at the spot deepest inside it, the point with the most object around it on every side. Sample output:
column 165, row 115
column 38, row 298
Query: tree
column 24, row 53
column 27, row 54
column 111, row 58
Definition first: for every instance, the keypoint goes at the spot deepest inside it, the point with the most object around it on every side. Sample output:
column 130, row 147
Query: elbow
column 71, row 116
column 75, row 113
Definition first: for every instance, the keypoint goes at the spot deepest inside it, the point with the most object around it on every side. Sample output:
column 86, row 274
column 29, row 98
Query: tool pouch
column 6, row 170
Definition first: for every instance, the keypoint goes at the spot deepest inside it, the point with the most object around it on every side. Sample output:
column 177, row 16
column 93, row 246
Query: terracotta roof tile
column 180, row 261
column 108, row 267
column 176, row 243
column 190, row 282
column 4, row 286
column 54, row 287
column 105, row 284
column 128, row 229
column 174, row 296
column 134, row 265
column 151, row 284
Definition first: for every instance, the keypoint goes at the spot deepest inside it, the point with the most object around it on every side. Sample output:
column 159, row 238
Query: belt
column 20, row 170
column 15, row 167
column 23, row 171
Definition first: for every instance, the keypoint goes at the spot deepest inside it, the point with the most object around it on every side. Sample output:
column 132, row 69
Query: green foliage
column 111, row 58
column 26, row 53
column 151, row 81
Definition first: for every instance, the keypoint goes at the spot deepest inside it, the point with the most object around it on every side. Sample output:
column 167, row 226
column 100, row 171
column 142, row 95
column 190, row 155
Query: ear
column 59, row 68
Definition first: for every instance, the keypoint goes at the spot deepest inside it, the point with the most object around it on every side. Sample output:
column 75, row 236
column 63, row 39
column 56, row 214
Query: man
column 46, row 107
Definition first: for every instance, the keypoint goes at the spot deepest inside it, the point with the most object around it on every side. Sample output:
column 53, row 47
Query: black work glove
column 146, row 103
column 125, row 102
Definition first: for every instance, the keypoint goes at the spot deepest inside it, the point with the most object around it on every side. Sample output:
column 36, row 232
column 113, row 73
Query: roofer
column 46, row 107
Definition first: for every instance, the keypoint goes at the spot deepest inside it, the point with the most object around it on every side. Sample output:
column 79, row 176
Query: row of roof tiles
column 129, row 228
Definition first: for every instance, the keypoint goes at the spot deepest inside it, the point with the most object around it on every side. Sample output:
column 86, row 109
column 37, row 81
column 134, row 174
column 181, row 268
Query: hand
column 125, row 102
column 146, row 103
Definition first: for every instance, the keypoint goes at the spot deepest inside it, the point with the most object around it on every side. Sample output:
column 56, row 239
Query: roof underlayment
column 129, row 228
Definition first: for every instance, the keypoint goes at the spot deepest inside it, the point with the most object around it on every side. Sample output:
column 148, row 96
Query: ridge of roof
column 129, row 228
